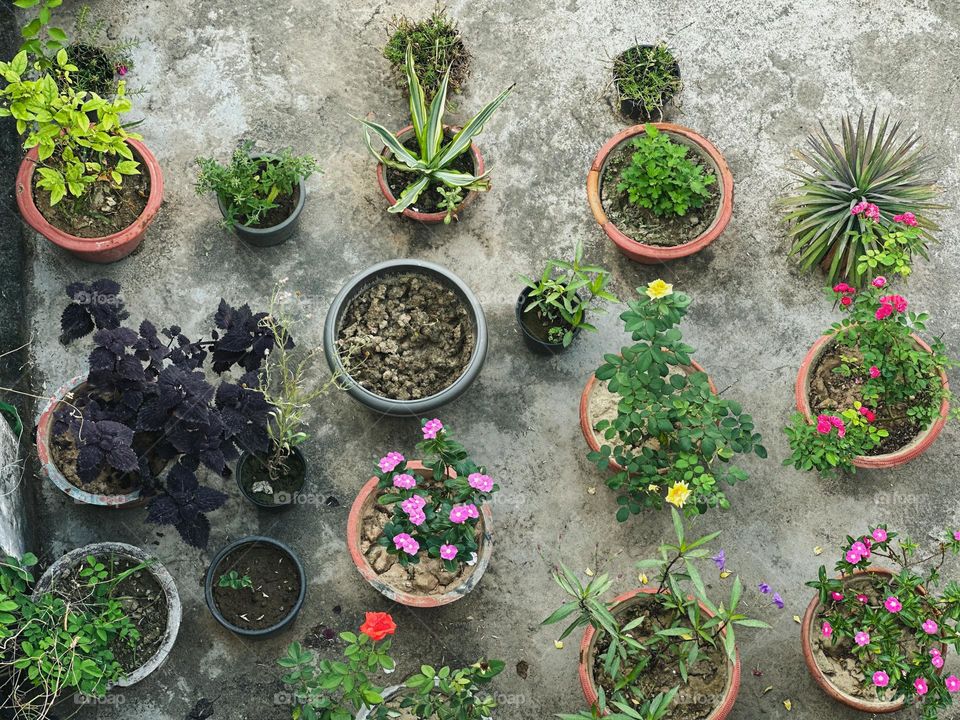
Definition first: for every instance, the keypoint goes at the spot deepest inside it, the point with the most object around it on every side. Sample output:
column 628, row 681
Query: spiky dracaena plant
column 872, row 163
column 432, row 164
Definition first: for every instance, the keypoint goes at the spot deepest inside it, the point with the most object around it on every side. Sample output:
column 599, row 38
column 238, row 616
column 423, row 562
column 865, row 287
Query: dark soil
column 143, row 602
column 289, row 481
column 104, row 210
column 406, row 336
column 95, row 73
column 831, row 392
column 538, row 324
column 697, row 698
column 641, row 224
column 276, row 587
column 429, row 200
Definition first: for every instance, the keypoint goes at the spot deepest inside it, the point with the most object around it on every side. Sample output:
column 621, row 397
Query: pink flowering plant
column 889, row 243
column 897, row 382
column 896, row 626
column 435, row 513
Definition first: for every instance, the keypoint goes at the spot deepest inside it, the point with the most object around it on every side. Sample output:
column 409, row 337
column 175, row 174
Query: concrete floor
column 759, row 74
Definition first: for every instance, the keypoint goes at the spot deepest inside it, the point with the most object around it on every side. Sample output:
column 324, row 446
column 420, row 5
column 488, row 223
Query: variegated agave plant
column 432, row 165
column 870, row 164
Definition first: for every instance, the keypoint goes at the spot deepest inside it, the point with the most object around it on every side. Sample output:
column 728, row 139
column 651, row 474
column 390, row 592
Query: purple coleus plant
column 150, row 406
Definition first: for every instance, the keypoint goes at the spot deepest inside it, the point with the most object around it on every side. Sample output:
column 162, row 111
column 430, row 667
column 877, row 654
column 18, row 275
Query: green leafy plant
column 58, row 642
column 431, row 164
column 564, row 294
column 251, row 185
column 662, row 178
column 671, row 431
column 897, row 380
column 235, row 581
column 657, row 708
column 436, row 44
column 447, row 694
column 674, row 630
column 895, row 627
column 648, row 77
column 871, row 163
column 75, row 154
column 40, row 38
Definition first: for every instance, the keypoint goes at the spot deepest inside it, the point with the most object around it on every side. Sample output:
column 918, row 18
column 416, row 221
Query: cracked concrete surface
column 759, row 74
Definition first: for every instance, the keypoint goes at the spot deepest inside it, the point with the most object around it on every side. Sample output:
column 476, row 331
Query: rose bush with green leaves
column 448, row 694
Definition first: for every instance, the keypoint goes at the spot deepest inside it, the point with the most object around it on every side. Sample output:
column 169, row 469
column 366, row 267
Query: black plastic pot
column 385, row 405
column 535, row 344
column 635, row 110
column 267, row 237
column 212, row 576
column 282, row 503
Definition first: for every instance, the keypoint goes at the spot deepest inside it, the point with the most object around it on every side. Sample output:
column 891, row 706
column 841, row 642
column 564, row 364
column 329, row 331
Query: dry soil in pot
column 641, row 224
column 429, row 200
column 406, row 336
column 276, row 587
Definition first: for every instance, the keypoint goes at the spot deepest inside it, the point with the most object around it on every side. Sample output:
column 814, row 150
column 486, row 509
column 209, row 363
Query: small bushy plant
column 662, row 178
column 436, row 44
column 648, row 77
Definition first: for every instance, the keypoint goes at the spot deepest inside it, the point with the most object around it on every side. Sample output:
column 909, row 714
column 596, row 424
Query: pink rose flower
column 448, row 552
column 431, row 428
column 389, row 461
column 869, row 414
column 853, row 557
column 907, row 218
column 920, row 685
column 884, row 311
column 881, row 679
column 879, row 281
column 483, row 483
column 405, row 481
column 122, row 70
column 872, row 212
column 837, row 597
column 953, row 683
column 862, row 638
column 863, row 598
column 892, row 604
column 880, row 535
column 859, row 207
column 859, row 548
column 846, row 301
column 823, row 424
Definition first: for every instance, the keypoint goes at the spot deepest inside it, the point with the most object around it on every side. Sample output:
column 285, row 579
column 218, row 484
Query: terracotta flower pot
column 109, row 248
column 905, row 454
column 49, row 467
column 434, row 217
column 591, row 637
column 586, row 427
column 806, row 635
column 651, row 254
column 365, row 500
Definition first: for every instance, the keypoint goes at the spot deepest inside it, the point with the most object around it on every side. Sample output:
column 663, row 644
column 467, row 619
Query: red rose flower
column 378, row 625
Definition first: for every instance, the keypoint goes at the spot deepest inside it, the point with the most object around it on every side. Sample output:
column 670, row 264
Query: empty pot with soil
column 273, row 488
column 405, row 337
column 657, row 233
column 148, row 597
column 255, row 586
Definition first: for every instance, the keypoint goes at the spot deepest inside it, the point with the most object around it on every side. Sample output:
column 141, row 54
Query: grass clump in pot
column 436, row 44
column 647, row 78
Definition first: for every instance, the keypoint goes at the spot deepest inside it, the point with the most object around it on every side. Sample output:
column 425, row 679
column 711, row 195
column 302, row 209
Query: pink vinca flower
column 907, row 218
column 859, row 548
column 472, row 511
column 920, row 685
column 862, row 638
column 953, row 683
column 881, row 679
column 405, row 542
column 459, row 514
column 893, row 605
column 389, row 461
column 879, row 281
column 826, row 629
column 448, row 552
column 413, row 504
column 478, row 481
column 880, row 535
column 431, row 428
column 405, row 481
column 417, row 517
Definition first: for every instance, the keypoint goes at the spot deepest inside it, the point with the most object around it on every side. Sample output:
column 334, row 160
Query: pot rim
column 279, row 227
column 640, row 251
column 212, row 570
column 49, row 467
column 354, row 528
column 591, row 637
column 32, row 215
column 245, row 455
column 379, row 403
column 160, row 574
column 911, row 450
column 434, row 217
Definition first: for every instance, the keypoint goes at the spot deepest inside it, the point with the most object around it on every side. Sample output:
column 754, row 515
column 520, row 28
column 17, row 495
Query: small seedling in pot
column 235, row 581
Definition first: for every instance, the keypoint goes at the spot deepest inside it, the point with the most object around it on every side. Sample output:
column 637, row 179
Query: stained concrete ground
column 759, row 75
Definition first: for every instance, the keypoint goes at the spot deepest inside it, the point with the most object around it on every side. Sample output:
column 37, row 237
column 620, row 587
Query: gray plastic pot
column 267, row 237
column 67, row 563
column 389, row 406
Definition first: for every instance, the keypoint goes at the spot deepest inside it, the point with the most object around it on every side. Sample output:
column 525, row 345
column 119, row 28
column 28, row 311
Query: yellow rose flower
column 653, row 488
column 659, row 289
column 678, row 494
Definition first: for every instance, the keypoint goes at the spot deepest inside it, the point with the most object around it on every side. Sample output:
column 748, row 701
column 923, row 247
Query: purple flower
column 778, row 601
column 720, row 560
column 764, row 588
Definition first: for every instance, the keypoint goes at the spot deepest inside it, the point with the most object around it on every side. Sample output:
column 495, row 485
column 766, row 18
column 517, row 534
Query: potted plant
column 275, row 478
column 654, row 417
column 425, row 169
column 640, row 645
column 145, row 406
column 421, row 532
column 92, row 196
column 553, row 309
column 108, row 609
column 875, row 638
column 405, row 337
column 870, row 393
column 436, row 44
column 255, row 587
column 871, row 164
column 647, row 80
column 261, row 195
column 660, row 192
